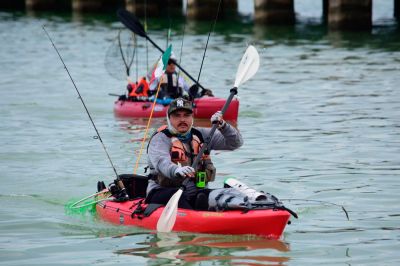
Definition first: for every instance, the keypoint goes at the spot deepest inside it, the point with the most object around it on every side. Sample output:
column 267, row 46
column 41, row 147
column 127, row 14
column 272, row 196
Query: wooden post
column 96, row 5
column 350, row 14
column 207, row 9
column 12, row 4
column 274, row 11
column 39, row 5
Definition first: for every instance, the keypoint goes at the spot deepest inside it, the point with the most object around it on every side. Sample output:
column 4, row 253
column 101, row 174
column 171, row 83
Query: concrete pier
column 207, row 9
column 155, row 7
column 96, row 5
column 336, row 14
column 350, row 14
column 274, row 11
column 41, row 5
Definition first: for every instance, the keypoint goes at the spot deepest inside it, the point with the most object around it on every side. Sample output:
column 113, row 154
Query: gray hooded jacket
column 159, row 158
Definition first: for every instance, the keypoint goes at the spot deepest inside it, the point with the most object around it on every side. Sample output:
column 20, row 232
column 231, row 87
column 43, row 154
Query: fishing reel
column 119, row 194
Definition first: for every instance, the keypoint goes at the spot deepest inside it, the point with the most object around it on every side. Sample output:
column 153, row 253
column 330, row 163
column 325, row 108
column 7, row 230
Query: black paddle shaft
column 214, row 127
column 132, row 23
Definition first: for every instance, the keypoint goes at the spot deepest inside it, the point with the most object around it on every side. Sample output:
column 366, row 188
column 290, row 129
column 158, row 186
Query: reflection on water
column 180, row 248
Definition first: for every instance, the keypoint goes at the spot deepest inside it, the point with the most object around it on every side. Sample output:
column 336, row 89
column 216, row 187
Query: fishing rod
column 170, row 23
column 145, row 29
column 212, row 28
column 183, row 37
column 119, row 181
column 324, row 202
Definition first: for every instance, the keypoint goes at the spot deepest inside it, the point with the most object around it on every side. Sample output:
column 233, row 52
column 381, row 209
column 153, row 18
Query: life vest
column 180, row 155
column 170, row 86
column 139, row 89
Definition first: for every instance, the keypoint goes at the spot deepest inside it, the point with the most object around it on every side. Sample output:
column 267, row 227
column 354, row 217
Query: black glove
column 193, row 91
column 129, row 88
column 207, row 92
column 190, row 188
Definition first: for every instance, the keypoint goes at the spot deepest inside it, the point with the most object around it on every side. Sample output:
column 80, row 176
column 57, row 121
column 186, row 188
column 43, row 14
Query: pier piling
column 206, row 9
column 41, row 5
column 350, row 14
column 155, row 7
column 96, row 5
column 274, row 11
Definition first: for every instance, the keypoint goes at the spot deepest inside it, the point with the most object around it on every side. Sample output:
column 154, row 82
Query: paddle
column 132, row 23
column 247, row 68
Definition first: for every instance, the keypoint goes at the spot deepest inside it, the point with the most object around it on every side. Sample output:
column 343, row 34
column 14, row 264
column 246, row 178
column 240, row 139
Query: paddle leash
column 123, row 195
column 247, row 68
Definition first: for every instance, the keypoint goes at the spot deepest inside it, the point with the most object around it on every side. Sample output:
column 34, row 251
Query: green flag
column 162, row 63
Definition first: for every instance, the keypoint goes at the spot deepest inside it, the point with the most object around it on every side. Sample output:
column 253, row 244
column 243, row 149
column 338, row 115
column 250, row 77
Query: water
column 320, row 122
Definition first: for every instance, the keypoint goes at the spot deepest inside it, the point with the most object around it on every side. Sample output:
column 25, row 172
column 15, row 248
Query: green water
column 320, row 120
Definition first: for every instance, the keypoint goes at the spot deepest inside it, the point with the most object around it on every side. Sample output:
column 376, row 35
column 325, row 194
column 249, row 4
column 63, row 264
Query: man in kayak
column 174, row 147
column 172, row 85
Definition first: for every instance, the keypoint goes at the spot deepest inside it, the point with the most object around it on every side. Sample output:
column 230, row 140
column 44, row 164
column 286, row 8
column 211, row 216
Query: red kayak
column 204, row 108
column 269, row 223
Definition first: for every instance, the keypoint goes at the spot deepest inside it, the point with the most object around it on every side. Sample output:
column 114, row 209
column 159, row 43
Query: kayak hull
column 267, row 222
column 204, row 108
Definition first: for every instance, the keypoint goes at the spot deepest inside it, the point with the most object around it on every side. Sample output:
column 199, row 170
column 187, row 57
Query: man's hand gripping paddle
column 247, row 68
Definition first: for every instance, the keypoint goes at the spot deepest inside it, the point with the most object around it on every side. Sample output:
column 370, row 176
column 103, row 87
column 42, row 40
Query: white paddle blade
column 248, row 66
column 168, row 216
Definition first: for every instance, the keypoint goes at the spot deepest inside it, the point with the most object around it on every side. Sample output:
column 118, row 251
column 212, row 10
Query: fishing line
column 145, row 30
column 169, row 21
column 321, row 201
column 212, row 28
column 137, row 59
column 183, row 37
column 121, row 185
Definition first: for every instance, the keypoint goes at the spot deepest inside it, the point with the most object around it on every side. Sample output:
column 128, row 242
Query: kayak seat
column 135, row 185
column 201, row 202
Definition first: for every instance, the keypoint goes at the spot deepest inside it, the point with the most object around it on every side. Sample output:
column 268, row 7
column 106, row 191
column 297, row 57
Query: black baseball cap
column 180, row 104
